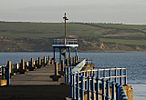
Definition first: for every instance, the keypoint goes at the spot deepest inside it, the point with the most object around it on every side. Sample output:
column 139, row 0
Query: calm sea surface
column 134, row 61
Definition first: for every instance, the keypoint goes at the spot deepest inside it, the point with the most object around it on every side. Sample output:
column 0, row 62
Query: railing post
column 82, row 87
column 92, row 87
column 77, row 86
column 71, row 85
column 88, row 88
column 97, row 88
column 121, row 76
column 113, row 91
column 104, row 74
column 109, row 75
column 117, row 92
column 103, row 89
column 125, row 79
column 107, row 90
column 115, row 75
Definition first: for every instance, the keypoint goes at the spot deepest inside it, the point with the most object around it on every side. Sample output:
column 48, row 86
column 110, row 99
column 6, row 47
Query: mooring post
column 39, row 62
column 45, row 61
column 77, row 87
column 3, row 73
column 22, row 67
column 65, row 76
column 56, row 69
column 62, row 66
column 8, row 72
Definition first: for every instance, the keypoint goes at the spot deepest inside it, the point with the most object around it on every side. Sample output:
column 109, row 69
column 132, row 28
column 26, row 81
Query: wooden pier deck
column 35, row 85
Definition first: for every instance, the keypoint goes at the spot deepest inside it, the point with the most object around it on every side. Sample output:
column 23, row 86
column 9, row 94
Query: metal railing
column 96, row 84
column 65, row 41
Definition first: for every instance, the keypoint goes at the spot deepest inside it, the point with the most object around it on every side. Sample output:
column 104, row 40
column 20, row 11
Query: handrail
column 89, row 82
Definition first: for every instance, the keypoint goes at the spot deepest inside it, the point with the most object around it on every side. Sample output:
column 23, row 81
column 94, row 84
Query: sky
column 98, row 11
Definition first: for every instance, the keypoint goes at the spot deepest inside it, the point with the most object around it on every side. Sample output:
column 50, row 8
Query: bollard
column 71, row 85
column 39, row 62
column 62, row 66
column 27, row 65
column 65, row 75
column 49, row 60
column 8, row 71
column 22, row 67
column 56, row 69
column 31, row 65
column 3, row 73
column 45, row 61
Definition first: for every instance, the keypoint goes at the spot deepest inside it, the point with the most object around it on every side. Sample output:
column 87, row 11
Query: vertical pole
column 65, row 76
column 8, row 70
column 125, row 79
column 121, row 76
column 109, row 75
column 45, row 61
column 88, row 88
column 62, row 66
column 39, row 62
column 69, row 56
column 56, row 69
column 60, row 55
column 107, row 90
column 54, row 54
column 3, row 73
column 77, row 86
column 103, row 89
column 82, row 87
column 97, row 88
column 73, row 86
column 104, row 74
column 115, row 75
column 113, row 91
column 117, row 92
column 92, row 87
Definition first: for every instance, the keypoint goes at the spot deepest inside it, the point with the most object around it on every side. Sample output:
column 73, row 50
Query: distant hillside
column 25, row 36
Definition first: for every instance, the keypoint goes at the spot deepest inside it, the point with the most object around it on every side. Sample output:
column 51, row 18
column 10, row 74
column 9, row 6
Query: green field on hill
column 25, row 36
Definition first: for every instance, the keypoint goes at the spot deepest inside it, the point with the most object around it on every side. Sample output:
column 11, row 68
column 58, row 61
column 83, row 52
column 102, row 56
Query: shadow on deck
column 34, row 92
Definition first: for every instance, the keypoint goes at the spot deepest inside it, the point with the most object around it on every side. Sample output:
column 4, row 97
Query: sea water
column 135, row 62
